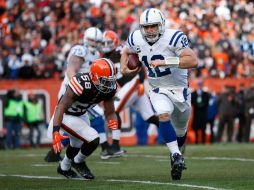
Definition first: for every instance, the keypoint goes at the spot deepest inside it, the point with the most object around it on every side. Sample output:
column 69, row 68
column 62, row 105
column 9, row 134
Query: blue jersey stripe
column 172, row 39
column 147, row 12
column 128, row 40
column 132, row 39
column 178, row 37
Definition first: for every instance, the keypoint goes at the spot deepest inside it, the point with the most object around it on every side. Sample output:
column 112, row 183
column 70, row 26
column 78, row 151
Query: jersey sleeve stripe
column 178, row 37
column 172, row 39
column 128, row 40
column 132, row 39
column 77, row 84
column 74, row 89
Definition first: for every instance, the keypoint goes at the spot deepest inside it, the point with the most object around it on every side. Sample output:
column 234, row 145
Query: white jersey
column 83, row 52
column 171, row 43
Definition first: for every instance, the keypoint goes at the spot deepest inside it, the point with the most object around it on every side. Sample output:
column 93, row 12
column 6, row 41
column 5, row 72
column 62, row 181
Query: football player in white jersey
column 167, row 56
column 131, row 91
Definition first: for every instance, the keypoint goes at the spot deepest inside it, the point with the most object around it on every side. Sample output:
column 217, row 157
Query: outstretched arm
column 186, row 60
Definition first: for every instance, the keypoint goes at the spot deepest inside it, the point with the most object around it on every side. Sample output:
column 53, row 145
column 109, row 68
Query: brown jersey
column 88, row 95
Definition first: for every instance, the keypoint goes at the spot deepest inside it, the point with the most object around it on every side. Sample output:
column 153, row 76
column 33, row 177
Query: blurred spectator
column 249, row 102
column 200, row 102
column 212, row 112
column 13, row 115
column 33, row 118
column 220, row 31
column 240, row 100
column 227, row 111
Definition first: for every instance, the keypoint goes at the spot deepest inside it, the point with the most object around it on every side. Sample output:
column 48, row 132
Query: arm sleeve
column 180, row 43
column 76, row 86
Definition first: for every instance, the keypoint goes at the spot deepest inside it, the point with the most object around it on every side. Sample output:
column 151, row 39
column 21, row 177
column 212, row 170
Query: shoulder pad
column 78, row 50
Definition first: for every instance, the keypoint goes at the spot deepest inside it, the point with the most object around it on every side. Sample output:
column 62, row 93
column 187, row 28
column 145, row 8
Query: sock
column 79, row 157
column 65, row 163
column 115, row 142
column 173, row 147
column 116, row 134
column 181, row 140
column 103, row 137
column 104, row 145
column 168, row 133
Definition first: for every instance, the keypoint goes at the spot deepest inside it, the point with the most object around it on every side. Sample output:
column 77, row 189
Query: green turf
column 225, row 166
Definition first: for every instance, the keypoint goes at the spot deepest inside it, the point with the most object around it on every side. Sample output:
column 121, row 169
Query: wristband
column 56, row 128
column 172, row 61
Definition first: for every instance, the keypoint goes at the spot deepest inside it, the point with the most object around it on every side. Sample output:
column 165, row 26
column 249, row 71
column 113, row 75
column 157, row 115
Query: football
column 133, row 61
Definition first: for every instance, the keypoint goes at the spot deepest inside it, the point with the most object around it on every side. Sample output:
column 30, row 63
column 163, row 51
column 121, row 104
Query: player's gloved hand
column 141, row 89
column 57, row 137
column 113, row 124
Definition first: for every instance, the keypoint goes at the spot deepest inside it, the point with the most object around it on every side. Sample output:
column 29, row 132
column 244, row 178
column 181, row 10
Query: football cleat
column 177, row 166
column 68, row 174
column 52, row 157
column 117, row 151
column 106, row 154
column 83, row 170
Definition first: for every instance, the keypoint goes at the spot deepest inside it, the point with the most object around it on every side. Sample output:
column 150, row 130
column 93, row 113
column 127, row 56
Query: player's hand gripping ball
column 133, row 62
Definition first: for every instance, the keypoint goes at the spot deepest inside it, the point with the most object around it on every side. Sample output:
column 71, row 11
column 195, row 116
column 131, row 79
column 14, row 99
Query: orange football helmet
column 102, row 72
column 110, row 41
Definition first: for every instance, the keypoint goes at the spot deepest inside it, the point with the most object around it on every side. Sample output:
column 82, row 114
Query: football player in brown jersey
column 84, row 91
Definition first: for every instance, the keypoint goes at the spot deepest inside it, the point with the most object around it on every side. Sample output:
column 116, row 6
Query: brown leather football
column 133, row 61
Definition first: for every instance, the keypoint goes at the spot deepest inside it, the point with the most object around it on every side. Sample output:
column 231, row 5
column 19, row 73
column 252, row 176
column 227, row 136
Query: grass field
column 221, row 166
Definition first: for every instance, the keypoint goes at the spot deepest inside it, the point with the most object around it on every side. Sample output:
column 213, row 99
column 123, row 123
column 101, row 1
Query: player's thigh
column 144, row 107
column 78, row 128
column 161, row 103
column 180, row 120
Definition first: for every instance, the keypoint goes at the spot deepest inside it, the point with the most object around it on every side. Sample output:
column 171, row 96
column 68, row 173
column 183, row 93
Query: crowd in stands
column 35, row 35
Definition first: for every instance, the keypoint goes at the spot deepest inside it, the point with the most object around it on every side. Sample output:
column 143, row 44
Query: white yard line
column 171, row 184
column 110, row 163
column 43, row 165
column 116, row 180
column 193, row 157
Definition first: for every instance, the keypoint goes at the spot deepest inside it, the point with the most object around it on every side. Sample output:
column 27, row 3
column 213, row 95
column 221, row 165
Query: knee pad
column 71, row 152
column 88, row 147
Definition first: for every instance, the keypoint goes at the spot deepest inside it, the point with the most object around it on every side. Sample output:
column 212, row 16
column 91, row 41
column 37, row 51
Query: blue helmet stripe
column 147, row 12
column 178, row 37
column 161, row 17
column 172, row 39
